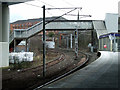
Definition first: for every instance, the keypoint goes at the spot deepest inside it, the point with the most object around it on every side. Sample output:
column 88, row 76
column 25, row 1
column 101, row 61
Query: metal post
column 110, row 45
column 114, row 43
column 67, row 42
column 60, row 39
column 14, row 45
column 26, row 44
column 76, row 44
column 102, row 43
column 76, row 40
column 44, row 66
column 92, row 41
column 71, row 40
column 99, row 44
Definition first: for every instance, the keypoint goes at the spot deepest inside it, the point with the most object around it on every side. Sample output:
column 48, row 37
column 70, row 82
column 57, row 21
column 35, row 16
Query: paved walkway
column 102, row 73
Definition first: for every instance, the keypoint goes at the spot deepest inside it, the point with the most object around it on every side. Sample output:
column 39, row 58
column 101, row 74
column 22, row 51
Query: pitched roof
column 36, row 20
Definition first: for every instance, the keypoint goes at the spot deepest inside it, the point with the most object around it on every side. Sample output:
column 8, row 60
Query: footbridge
column 59, row 25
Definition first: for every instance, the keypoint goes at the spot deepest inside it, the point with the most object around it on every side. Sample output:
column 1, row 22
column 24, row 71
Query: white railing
column 27, row 33
column 11, row 37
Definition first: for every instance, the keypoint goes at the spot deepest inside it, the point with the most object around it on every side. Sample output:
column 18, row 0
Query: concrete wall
column 5, row 23
column 4, row 30
column 0, row 22
column 4, row 55
column 0, row 46
column 0, row 34
column 111, row 22
column 119, row 8
column 4, row 35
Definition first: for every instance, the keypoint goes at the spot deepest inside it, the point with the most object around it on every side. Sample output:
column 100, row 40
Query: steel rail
column 66, row 74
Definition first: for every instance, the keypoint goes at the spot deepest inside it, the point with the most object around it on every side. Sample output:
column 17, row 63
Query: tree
column 51, row 34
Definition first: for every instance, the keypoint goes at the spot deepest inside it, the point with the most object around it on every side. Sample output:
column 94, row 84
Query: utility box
column 20, row 57
column 50, row 44
column 4, row 57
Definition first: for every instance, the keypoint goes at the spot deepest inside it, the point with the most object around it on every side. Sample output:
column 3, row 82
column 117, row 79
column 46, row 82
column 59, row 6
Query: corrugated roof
column 100, row 28
column 99, row 25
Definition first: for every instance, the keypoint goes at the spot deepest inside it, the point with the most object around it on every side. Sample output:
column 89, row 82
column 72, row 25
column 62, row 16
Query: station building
column 25, row 24
column 109, row 39
column 109, row 42
column 104, row 30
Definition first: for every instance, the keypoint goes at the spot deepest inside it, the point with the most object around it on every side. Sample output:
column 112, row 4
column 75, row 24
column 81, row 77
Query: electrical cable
column 61, row 16
column 58, row 9
column 64, row 8
column 79, row 15
column 67, row 3
column 46, row 3
column 32, row 5
column 50, row 5
column 49, row 13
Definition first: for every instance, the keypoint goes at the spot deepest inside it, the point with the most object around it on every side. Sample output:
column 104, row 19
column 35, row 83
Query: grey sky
column 96, row 8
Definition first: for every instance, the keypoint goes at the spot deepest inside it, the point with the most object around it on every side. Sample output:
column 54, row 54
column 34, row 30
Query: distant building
column 24, row 24
column 110, row 38
column 119, row 24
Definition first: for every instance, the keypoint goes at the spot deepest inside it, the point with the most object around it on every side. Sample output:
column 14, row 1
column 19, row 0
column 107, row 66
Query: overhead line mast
column 76, row 40
column 44, row 41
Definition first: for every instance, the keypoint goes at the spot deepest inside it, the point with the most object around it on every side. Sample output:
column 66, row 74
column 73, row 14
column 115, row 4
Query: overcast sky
column 32, row 9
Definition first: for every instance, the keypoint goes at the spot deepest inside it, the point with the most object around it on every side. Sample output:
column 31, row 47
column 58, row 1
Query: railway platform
column 102, row 73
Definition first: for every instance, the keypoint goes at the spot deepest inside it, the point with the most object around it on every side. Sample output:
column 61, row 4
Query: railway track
column 37, row 68
column 37, row 71
column 67, row 73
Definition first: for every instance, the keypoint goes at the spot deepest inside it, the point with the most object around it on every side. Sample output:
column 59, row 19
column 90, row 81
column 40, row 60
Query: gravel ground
column 28, row 79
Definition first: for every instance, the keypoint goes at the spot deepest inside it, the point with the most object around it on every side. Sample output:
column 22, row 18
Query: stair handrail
column 11, row 37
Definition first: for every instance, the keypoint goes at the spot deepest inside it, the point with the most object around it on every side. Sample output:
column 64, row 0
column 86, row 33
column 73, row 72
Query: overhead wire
column 32, row 5
column 64, row 8
column 67, row 3
column 46, row 3
column 55, row 8
column 49, row 13
column 51, row 5
column 82, row 16
column 40, row 6
column 60, row 16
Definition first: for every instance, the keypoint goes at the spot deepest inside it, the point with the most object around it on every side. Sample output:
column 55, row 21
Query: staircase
column 20, row 34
